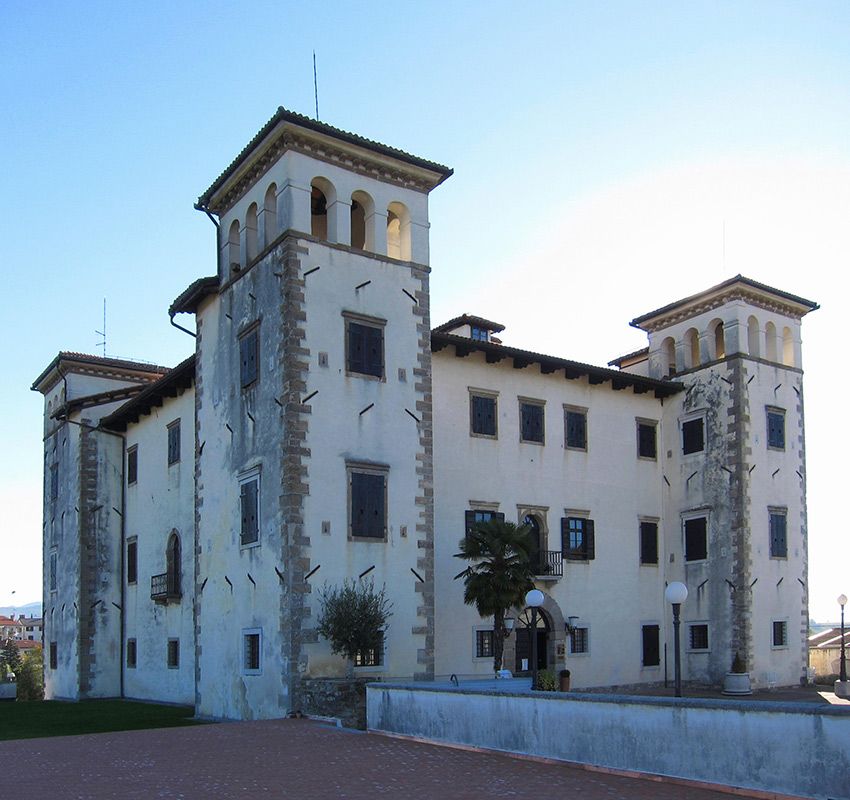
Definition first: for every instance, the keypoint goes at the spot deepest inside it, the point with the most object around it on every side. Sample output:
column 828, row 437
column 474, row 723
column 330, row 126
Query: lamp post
column 534, row 599
column 842, row 670
column 676, row 593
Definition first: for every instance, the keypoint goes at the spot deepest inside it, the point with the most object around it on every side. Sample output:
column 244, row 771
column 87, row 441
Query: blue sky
column 600, row 150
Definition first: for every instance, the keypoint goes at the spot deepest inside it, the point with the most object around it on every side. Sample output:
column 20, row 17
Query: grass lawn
column 51, row 718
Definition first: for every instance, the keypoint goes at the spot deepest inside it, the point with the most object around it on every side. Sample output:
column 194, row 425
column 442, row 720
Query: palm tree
column 499, row 576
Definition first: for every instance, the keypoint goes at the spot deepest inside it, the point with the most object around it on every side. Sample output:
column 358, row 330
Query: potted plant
column 737, row 680
column 546, row 681
column 564, row 684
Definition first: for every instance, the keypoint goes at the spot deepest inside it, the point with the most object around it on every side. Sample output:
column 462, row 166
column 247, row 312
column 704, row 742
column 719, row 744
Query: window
column 249, row 508
column 531, row 422
column 249, row 357
column 132, row 465
column 367, row 503
column 482, row 415
column 53, row 572
column 473, row 517
column 173, row 654
column 698, row 636
column 173, row 566
column 651, row 652
column 54, row 481
column 364, row 348
column 776, row 428
column 373, row 657
column 693, row 436
column 696, row 539
column 778, row 533
column 575, row 425
column 646, row 446
column 579, row 641
column 131, row 653
column 578, row 540
column 483, row 644
column 780, row 633
column 251, row 648
column 174, row 442
column 54, row 656
column 480, row 334
column 648, row 542
column 132, row 560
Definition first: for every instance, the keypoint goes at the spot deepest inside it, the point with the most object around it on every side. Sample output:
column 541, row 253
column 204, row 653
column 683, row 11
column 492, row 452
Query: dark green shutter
column 589, row 540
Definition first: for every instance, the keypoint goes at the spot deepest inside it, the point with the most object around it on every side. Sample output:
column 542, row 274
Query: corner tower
column 313, row 411
column 735, row 476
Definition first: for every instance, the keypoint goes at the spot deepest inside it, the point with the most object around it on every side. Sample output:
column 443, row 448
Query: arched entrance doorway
column 523, row 640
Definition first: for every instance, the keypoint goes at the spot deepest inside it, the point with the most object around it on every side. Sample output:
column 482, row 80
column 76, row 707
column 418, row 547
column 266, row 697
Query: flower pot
column 737, row 683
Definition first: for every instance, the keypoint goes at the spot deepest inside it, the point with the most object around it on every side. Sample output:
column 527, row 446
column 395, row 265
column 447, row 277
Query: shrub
column 353, row 617
column 546, row 681
column 31, row 676
column 738, row 664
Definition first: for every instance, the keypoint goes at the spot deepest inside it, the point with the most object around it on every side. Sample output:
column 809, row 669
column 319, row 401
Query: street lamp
column 842, row 676
column 676, row 593
column 534, row 599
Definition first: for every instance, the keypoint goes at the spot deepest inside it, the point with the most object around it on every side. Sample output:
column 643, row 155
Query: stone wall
column 344, row 698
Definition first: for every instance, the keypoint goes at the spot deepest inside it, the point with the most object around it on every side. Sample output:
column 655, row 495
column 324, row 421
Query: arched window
column 251, row 232
column 233, row 262
column 362, row 221
column 173, row 569
column 270, row 215
column 692, row 347
column 787, row 347
column 318, row 213
column 398, row 231
column 668, row 354
column 719, row 340
column 535, row 536
column 753, row 337
column 770, row 341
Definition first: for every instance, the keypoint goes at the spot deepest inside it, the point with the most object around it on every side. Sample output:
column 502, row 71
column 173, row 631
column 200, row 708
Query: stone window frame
column 777, row 511
column 377, row 323
column 783, row 629
column 583, row 411
column 775, row 411
column 585, row 653
column 689, row 646
column 487, row 394
column 642, row 520
column 132, row 465
column 477, row 641
column 172, row 652
column 646, row 423
column 247, row 651
column 522, row 402
column 702, row 513
column 366, row 468
column 173, row 442
column 132, row 547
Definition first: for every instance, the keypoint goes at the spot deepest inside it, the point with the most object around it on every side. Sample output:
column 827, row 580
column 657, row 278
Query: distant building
column 322, row 431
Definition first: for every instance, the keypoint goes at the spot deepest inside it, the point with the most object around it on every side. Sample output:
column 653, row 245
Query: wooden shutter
column 249, row 511
column 589, row 540
column 696, row 539
column 248, row 346
column 577, row 429
column 374, row 351
column 693, row 439
column 367, row 505
column 775, row 429
column 648, row 543
column 484, row 415
column 646, row 440
column 132, row 562
column 356, row 347
column 778, row 536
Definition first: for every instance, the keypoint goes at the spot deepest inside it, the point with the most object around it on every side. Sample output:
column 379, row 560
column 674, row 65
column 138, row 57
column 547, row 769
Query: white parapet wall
column 790, row 748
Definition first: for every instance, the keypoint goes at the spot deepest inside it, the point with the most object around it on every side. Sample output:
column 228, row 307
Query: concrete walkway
column 298, row 759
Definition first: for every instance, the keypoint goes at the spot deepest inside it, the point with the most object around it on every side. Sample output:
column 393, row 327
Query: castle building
column 321, row 431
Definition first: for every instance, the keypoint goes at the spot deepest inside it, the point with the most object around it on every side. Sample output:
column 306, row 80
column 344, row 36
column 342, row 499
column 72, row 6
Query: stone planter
column 737, row 683
column 842, row 689
column 8, row 691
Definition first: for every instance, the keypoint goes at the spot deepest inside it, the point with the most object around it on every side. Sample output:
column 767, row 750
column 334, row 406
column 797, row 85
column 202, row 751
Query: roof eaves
column 572, row 369
column 97, row 361
column 189, row 299
column 284, row 115
column 470, row 319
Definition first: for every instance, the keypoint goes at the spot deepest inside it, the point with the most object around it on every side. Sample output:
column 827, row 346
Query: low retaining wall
column 344, row 698
column 789, row 748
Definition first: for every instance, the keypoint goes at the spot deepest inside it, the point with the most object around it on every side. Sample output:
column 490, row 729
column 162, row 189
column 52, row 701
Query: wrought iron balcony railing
column 548, row 564
column 165, row 587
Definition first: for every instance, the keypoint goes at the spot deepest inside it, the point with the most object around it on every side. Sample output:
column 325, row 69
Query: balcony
column 165, row 587
column 548, row 565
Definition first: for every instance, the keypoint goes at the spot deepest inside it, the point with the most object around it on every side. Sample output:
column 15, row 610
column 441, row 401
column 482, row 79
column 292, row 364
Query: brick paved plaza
column 297, row 759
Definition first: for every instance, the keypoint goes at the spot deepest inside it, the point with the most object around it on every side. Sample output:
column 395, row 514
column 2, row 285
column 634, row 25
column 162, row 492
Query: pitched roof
column 469, row 319
column 283, row 115
column 635, row 354
column 187, row 301
column 494, row 353
column 169, row 385
column 800, row 304
column 139, row 370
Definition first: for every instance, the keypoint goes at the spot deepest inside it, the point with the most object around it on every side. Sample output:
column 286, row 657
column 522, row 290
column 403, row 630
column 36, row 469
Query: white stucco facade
column 326, row 433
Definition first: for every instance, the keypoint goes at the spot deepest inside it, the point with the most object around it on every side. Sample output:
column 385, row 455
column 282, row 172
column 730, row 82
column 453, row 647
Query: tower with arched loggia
column 313, row 338
column 734, row 490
